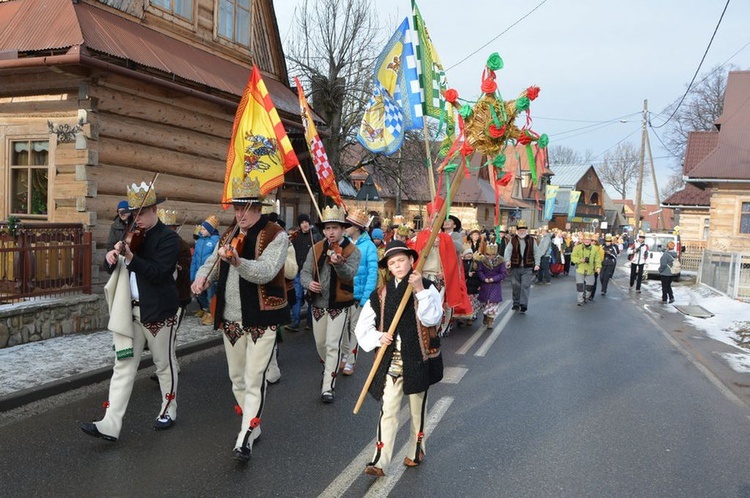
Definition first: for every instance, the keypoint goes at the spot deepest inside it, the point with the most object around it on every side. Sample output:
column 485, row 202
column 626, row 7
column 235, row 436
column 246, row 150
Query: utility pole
column 661, row 226
column 639, row 189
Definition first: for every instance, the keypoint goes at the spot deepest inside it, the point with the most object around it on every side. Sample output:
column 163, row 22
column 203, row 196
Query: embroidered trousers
column 328, row 329
column 350, row 340
column 247, row 362
column 388, row 423
column 124, row 372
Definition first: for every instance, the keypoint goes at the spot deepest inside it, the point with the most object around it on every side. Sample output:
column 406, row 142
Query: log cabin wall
column 726, row 206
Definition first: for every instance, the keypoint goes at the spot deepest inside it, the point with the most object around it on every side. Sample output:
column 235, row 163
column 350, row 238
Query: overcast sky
column 595, row 60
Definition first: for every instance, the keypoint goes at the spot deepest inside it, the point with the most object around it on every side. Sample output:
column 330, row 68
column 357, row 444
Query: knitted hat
column 303, row 217
column 396, row 247
column 122, row 205
column 377, row 233
column 211, row 224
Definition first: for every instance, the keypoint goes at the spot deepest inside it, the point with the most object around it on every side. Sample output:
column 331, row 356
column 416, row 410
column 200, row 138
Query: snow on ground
column 36, row 363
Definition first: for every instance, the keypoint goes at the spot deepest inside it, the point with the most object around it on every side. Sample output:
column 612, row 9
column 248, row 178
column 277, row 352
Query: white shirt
column 429, row 311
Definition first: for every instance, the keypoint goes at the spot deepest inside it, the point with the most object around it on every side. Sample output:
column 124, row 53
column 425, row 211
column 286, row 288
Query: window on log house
column 29, row 163
column 234, row 20
column 745, row 218
column 180, row 8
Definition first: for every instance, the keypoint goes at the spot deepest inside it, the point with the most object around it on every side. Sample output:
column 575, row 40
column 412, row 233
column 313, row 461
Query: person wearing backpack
column 667, row 270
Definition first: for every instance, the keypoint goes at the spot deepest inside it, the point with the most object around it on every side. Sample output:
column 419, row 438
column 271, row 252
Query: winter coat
column 638, row 253
column 472, row 281
column 366, row 278
column 665, row 262
column 610, row 255
column 493, row 269
column 204, row 247
column 580, row 253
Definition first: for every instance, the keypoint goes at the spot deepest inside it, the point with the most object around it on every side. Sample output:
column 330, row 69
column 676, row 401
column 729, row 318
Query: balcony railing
column 41, row 260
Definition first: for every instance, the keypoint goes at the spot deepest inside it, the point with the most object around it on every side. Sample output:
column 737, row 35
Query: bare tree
column 699, row 111
column 620, row 169
column 674, row 183
column 333, row 51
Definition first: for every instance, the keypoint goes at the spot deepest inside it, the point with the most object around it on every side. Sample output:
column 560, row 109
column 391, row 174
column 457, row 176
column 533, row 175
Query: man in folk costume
column 328, row 274
column 251, row 304
column 442, row 267
column 523, row 257
column 365, row 281
column 143, row 305
column 412, row 360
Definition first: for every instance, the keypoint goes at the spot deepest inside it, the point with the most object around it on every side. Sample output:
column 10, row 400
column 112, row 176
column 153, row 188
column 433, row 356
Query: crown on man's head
column 399, row 220
column 141, row 196
column 334, row 214
column 167, row 216
column 245, row 190
column 359, row 217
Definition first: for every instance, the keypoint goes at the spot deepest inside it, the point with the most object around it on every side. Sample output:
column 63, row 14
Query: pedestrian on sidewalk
column 522, row 256
column 250, row 304
column 586, row 257
column 666, row 272
column 412, row 361
column 637, row 254
column 208, row 241
column 143, row 306
column 609, row 263
column 328, row 274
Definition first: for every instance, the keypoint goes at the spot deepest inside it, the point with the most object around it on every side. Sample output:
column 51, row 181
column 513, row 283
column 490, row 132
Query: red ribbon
column 451, row 95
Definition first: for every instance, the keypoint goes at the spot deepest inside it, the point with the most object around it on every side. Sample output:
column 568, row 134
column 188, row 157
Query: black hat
column 456, row 222
column 303, row 217
column 395, row 247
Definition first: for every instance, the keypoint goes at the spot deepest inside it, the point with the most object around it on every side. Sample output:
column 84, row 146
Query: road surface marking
column 494, row 335
column 475, row 337
column 453, row 375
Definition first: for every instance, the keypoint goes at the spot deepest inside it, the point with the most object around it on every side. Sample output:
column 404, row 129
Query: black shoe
column 523, row 310
column 163, row 423
column 604, row 293
column 90, row 429
column 515, row 307
column 242, row 454
column 638, row 291
column 327, row 397
column 580, row 304
column 671, row 300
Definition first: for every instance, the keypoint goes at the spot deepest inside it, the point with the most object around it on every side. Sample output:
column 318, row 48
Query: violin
column 335, row 248
column 133, row 238
column 236, row 246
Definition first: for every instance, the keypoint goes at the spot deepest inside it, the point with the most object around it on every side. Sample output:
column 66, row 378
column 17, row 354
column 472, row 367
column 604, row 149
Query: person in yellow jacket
column 588, row 261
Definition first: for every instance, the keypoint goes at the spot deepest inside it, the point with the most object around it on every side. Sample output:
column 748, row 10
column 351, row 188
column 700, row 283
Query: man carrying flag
column 251, row 293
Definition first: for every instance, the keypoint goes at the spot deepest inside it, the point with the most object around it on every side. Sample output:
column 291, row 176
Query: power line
column 607, row 122
column 705, row 53
column 672, row 154
column 498, row 36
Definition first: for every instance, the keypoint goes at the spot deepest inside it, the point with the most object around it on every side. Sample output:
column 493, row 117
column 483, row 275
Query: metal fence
column 692, row 254
column 726, row 272
column 38, row 260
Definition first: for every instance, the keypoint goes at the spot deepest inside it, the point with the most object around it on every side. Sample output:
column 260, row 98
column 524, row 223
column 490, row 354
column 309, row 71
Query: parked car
column 657, row 244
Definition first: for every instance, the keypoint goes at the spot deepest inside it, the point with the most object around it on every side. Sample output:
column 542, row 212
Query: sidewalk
column 36, row 370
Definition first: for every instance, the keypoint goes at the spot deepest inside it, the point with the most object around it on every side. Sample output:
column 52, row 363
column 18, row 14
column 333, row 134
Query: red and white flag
column 323, row 168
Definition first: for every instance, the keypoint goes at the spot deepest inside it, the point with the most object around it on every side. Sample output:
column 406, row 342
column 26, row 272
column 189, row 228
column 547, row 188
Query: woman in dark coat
column 491, row 271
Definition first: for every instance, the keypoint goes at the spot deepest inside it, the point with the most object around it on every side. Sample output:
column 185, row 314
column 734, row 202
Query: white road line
column 355, row 469
column 494, row 335
column 453, row 375
column 475, row 337
column 384, row 485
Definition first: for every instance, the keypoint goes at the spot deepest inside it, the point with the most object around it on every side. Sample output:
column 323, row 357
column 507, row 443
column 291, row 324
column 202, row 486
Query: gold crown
column 398, row 220
column 167, row 216
column 359, row 217
column 141, row 195
column 403, row 230
column 490, row 249
column 386, row 223
column 213, row 221
column 475, row 227
column 246, row 189
column 334, row 214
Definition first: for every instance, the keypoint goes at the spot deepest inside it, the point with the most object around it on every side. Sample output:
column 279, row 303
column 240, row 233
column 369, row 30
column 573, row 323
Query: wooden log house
column 95, row 95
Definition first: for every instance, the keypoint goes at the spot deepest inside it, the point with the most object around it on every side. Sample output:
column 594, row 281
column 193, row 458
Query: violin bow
column 140, row 208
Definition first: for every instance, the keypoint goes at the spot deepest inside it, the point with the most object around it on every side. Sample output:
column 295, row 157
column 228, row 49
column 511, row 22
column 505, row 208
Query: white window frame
column 233, row 39
column 10, row 147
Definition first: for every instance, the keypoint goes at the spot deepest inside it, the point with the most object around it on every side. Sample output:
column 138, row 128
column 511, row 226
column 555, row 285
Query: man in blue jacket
column 365, row 282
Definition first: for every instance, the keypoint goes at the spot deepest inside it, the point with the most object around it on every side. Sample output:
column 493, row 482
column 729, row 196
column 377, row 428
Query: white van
column 657, row 245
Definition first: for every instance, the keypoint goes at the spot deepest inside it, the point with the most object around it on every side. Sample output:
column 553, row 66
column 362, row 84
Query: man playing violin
column 250, row 303
column 145, row 261
column 328, row 274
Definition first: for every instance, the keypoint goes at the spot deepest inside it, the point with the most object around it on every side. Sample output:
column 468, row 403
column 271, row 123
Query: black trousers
column 605, row 275
column 636, row 275
column 666, row 288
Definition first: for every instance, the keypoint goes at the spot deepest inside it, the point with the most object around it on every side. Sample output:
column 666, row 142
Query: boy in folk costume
column 143, row 305
column 412, row 360
column 328, row 274
column 491, row 271
column 251, row 304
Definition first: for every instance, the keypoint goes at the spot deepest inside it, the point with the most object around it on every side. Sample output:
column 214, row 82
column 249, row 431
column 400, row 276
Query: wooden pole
column 436, row 226
column 309, row 190
column 639, row 189
column 660, row 225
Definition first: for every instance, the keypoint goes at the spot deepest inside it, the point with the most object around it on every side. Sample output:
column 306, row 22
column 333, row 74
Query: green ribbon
column 523, row 103
column 494, row 61
column 494, row 116
column 449, row 168
column 543, row 141
column 532, row 163
column 465, row 111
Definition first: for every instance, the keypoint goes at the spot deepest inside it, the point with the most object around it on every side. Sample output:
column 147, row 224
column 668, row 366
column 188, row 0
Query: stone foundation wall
column 38, row 320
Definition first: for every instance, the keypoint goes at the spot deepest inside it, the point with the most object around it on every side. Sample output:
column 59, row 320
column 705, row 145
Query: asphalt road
column 564, row 401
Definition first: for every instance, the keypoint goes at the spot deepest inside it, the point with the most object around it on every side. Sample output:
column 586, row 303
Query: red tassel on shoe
column 255, row 422
column 238, row 409
column 105, row 405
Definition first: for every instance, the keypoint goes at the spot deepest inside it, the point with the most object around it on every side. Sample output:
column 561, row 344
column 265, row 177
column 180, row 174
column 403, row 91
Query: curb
column 31, row 394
